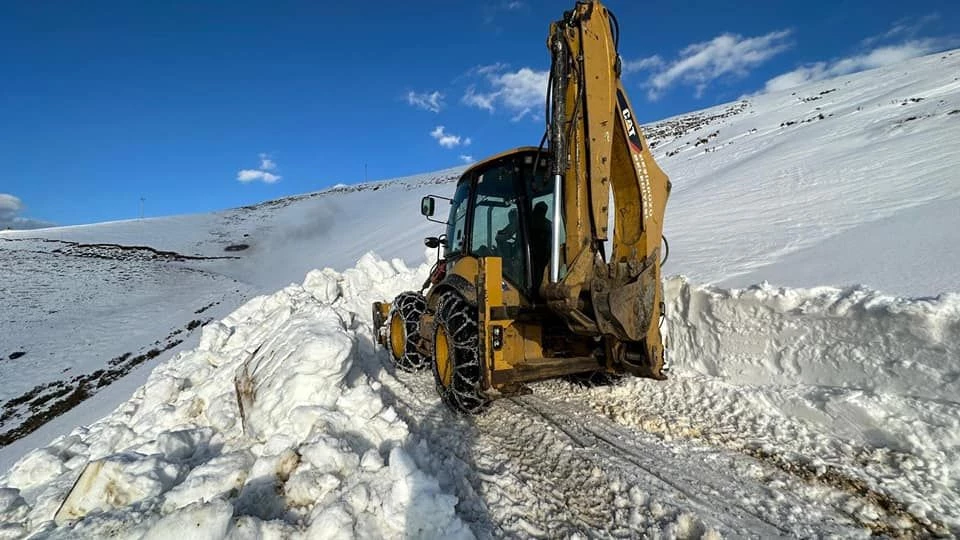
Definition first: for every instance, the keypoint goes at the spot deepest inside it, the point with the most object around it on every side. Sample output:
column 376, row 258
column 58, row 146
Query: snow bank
column 844, row 380
column 851, row 337
column 268, row 427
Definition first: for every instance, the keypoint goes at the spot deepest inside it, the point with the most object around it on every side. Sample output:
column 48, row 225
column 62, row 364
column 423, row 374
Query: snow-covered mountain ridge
column 799, row 409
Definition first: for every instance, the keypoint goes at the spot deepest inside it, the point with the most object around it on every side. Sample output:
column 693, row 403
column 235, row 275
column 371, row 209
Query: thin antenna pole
column 142, row 200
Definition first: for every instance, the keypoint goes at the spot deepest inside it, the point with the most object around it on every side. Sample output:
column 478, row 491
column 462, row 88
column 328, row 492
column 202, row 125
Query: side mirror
column 427, row 206
column 433, row 242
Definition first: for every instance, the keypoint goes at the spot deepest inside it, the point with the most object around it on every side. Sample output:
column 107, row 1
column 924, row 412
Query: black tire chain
column 459, row 319
column 410, row 307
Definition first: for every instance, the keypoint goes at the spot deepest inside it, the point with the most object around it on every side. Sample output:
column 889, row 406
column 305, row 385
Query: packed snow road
column 285, row 420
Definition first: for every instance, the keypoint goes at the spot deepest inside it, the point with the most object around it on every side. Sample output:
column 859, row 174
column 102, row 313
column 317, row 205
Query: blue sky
column 198, row 106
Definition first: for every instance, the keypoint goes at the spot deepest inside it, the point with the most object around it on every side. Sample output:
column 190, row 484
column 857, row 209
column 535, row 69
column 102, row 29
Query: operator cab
column 503, row 207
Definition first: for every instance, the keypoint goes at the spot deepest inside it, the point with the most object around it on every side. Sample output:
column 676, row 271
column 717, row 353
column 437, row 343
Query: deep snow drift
column 790, row 411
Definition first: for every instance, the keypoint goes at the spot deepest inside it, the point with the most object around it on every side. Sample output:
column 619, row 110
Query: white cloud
column 641, row 64
column 261, row 174
column 466, row 158
column 727, row 55
column 801, row 75
column 448, row 140
column 10, row 207
column 267, row 164
column 523, row 88
column 428, row 101
column 516, row 91
column 480, row 101
column 492, row 10
column 250, row 175
column 9, row 204
column 488, row 69
column 908, row 27
column 881, row 56
column 521, row 115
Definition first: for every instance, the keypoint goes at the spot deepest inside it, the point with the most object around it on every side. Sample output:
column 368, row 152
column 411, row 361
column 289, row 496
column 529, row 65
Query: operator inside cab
column 541, row 230
column 508, row 244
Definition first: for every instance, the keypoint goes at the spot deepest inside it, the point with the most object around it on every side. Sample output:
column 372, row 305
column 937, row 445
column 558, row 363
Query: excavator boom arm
column 601, row 163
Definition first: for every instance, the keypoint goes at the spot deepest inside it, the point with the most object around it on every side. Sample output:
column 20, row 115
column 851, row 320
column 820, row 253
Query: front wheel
column 456, row 356
column 403, row 331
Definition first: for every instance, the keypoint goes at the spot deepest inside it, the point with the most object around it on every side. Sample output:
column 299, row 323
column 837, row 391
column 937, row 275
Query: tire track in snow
column 700, row 479
column 894, row 517
column 511, row 472
column 747, row 421
column 530, row 469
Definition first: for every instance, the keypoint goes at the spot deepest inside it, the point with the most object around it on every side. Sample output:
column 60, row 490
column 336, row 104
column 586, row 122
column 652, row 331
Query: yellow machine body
column 526, row 248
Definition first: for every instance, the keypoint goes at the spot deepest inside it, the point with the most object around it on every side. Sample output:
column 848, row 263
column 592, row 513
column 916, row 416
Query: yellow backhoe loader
column 526, row 288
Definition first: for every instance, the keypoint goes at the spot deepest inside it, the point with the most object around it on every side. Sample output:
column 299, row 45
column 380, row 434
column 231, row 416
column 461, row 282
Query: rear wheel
column 456, row 356
column 403, row 331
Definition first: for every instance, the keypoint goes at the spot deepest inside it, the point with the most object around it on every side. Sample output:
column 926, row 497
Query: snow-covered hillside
column 823, row 404
column 851, row 180
column 132, row 294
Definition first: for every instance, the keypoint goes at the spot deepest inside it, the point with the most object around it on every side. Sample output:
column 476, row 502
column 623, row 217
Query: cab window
column 496, row 221
column 457, row 224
